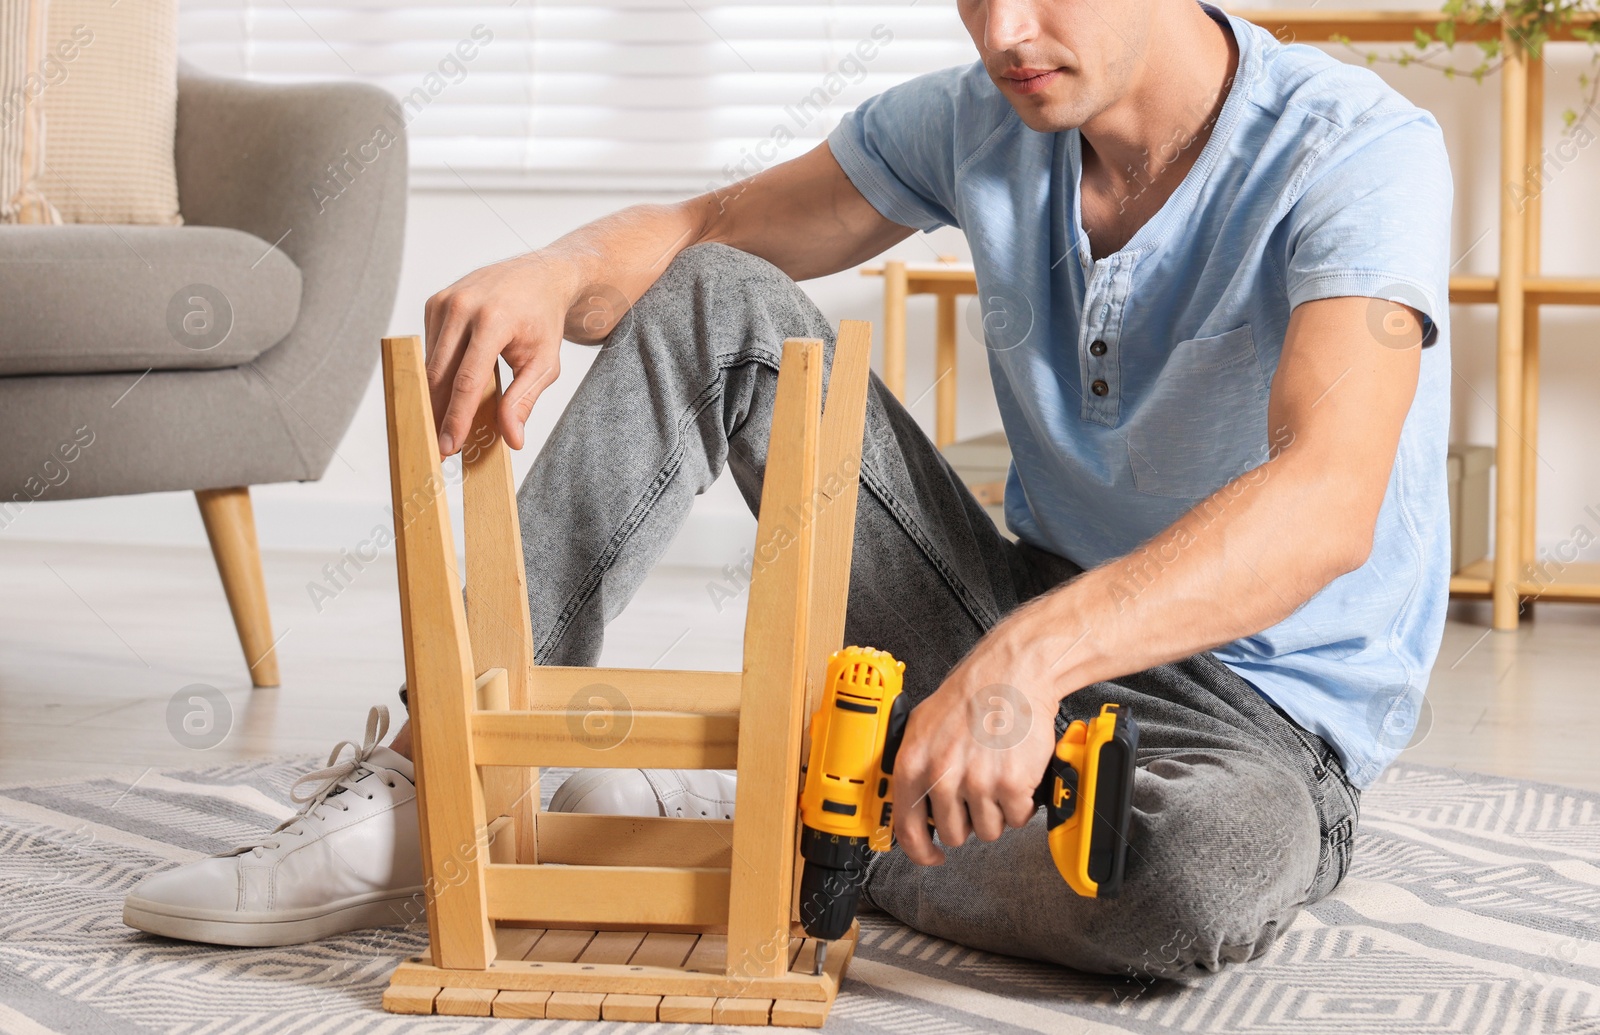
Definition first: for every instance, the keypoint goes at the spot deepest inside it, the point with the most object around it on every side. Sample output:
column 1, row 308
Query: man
column 1214, row 274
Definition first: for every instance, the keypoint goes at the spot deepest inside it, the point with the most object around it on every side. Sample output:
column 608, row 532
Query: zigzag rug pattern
column 1473, row 905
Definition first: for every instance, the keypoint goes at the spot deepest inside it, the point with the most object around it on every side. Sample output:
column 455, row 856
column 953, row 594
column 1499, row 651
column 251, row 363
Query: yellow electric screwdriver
column 847, row 804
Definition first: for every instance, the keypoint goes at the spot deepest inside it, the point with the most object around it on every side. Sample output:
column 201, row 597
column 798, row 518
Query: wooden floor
column 98, row 642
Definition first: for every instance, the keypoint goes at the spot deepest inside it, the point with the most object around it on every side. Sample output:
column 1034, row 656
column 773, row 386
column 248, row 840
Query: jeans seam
column 903, row 518
column 641, row 508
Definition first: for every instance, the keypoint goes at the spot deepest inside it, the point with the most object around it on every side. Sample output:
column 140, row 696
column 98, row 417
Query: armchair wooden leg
column 231, row 527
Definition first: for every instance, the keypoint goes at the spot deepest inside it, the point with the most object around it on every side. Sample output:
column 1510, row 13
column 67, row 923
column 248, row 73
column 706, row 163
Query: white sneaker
column 348, row 860
column 648, row 792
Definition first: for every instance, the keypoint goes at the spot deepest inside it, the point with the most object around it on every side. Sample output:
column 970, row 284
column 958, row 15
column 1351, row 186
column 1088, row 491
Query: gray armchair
column 228, row 352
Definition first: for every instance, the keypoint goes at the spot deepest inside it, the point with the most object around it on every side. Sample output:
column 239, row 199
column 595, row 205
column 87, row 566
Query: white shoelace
column 336, row 778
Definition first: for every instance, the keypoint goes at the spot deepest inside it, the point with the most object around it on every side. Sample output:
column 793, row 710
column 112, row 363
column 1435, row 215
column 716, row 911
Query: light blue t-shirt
column 1135, row 385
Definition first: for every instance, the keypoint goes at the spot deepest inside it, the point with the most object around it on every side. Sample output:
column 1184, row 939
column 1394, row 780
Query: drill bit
column 822, row 954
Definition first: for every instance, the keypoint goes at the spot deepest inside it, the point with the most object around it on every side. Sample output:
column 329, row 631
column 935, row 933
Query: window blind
column 679, row 95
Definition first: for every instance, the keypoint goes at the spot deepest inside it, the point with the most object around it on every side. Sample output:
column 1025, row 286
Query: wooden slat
column 792, row 1013
column 578, row 839
column 642, row 895
column 959, row 273
column 838, row 482
column 514, row 943
column 612, row 947
column 691, row 1009
column 653, row 740
column 1563, row 290
column 664, row 949
column 497, row 597
column 439, row 669
column 414, row 999
column 840, row 953
column 533, row 975
column 1551, row 580
column 646, row 689
column 710, row 954
column 775, row 655
column 502, row 785
column 1467, row 289
column 1474, row 580
column 623, row 1006
column 491, row 691
column 805, row 960
column 502, row 840
column 741, row 1011
column 559, row 947
column 465, row 1002
column 574, row 1006
column 522, row 1005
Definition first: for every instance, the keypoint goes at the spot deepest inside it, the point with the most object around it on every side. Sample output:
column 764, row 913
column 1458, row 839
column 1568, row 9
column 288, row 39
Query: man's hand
column 803, row 216
column 975, row 751
column 516, row 309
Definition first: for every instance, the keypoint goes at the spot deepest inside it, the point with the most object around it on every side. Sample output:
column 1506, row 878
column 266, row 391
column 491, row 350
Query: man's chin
column 1050, row 110
column 1045, row 117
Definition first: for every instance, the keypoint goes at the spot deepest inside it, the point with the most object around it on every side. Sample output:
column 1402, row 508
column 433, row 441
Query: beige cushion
column 26, row 71
column 109, row 122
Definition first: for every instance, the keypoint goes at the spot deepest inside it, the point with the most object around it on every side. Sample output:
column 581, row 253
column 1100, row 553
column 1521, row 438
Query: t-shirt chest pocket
column 1204, row 420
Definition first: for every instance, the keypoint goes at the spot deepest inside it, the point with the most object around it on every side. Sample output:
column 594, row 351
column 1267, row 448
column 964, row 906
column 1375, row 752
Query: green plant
column 1531, row 24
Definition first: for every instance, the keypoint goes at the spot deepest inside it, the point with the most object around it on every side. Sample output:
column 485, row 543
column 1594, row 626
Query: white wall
column 450, row 233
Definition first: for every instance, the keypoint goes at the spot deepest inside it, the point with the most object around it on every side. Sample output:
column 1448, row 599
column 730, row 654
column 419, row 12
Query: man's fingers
column 911, row 823
column 949, row 812
column 432, row 320
column 445, row 354
column 472, row 377
column 1017, row 806
column 517, row 402
column 988, row 820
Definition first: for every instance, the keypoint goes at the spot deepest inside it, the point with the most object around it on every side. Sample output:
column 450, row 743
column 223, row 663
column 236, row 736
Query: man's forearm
column 1241, row 561
column 609, row 263
column 804, row 216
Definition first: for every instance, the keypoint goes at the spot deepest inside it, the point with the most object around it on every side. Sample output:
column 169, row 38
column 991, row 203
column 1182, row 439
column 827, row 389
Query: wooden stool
column 536, row 914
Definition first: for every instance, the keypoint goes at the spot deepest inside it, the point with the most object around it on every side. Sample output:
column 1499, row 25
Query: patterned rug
column 1472, row 906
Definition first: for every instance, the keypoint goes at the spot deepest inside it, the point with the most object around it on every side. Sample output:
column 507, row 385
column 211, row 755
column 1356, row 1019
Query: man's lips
column 1030, row 80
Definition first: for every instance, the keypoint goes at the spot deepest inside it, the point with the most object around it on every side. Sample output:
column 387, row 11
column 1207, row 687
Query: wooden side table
column 946, row 280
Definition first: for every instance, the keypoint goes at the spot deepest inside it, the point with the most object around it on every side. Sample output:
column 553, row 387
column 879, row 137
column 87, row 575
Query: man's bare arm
column 1240, row 562
column 804, row 216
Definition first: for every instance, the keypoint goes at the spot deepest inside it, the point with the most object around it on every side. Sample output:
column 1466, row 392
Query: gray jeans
column 1241, row 817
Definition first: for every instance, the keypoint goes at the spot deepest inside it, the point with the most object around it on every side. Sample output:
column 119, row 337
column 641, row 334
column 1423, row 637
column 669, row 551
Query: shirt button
column 1099, row 388
column 1097, row 348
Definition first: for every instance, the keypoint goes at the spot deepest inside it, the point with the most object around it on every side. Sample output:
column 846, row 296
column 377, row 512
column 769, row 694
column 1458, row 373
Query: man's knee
column 709, row 271
column 1217, row 868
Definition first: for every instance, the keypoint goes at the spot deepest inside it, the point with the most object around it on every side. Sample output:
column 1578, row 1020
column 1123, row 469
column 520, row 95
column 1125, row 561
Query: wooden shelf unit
column 1514, row 578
